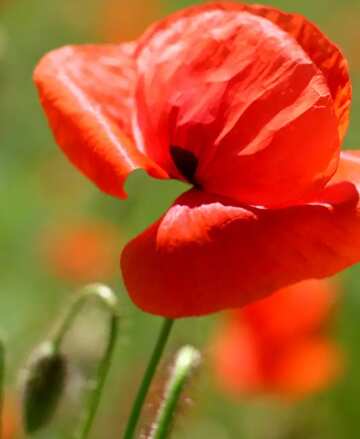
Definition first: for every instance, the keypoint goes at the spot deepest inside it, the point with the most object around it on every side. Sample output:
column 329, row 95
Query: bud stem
column 147, row 378
column 97, row 291
column 106, row 297
column 186, row 360
column 99, row 382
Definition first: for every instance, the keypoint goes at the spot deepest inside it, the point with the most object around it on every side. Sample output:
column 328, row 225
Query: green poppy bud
column 44, row 383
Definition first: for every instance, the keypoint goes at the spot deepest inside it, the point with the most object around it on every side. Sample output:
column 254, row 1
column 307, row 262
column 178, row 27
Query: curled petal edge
column 86, row 94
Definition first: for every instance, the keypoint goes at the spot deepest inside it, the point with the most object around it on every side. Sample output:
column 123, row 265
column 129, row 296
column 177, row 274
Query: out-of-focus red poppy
column 10, row 419
column 82, row 251
column 249, row 105
column 293, row 312
column 279, row 345
column 121, row 20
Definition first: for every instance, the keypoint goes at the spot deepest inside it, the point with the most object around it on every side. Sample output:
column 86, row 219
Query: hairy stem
column 147, row 378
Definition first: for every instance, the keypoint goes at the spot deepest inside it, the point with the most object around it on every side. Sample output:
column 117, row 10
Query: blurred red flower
column 83, row 251
column 279, row 345
column 249, row 105
column 10, row 419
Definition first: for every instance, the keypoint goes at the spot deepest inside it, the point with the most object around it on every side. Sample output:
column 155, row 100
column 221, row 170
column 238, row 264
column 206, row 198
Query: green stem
column 97, row 291
column 147, row 379
column 99, row 382
column 106, row 297
column 187, row 359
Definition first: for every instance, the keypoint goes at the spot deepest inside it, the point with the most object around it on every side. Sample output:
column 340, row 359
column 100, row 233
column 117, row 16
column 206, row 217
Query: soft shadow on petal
column 205, row 255
column 86, row 92
column 344, row 187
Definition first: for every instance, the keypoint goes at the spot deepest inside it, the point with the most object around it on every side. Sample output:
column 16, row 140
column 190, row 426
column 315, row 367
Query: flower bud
column 44, row 382
column 186, row 361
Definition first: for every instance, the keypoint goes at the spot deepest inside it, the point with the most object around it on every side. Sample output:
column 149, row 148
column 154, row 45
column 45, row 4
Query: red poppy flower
column 11, row 422
column 249, row 105
column 81, row 251
column 278, row 318
column 279, row 345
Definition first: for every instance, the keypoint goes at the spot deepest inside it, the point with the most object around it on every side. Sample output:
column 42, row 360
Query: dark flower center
column 186, row 163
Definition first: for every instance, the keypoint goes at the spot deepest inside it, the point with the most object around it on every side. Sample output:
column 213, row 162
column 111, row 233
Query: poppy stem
column 103, row 294
column 186, row 360
column 107, row 298
column 147, row 378
column 99, row 382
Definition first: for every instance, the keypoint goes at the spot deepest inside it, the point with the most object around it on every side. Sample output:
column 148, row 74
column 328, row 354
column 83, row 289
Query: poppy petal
column 277, row 318
column 307, row 367
column 205, row 255
column 86, row 92
column 323, row 52
column 243, row 97
column 237, row 361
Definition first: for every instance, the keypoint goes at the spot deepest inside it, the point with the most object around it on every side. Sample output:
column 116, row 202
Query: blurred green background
column 43, row 198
